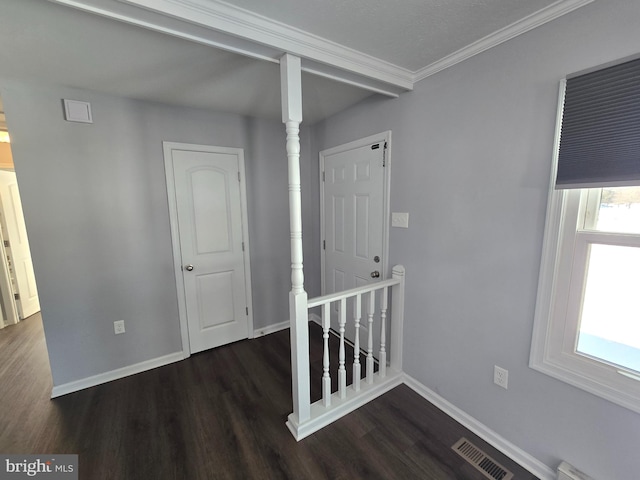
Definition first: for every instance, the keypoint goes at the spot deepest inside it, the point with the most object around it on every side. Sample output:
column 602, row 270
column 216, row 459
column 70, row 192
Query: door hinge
column 16, row 296
column 323, row 176
column 384, row 155
column 243, row 246
column 324, row 244
column 6, row 244
column 247, row 310
column 239, row 176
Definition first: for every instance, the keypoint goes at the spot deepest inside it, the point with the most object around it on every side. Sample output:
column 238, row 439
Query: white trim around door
column 168, row 147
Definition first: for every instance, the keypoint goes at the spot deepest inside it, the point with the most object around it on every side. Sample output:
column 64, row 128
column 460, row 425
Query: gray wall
column 472, row 149
column 95, row 205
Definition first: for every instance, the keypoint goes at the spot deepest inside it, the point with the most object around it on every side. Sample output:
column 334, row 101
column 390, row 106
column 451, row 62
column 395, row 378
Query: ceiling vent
column 481, row 461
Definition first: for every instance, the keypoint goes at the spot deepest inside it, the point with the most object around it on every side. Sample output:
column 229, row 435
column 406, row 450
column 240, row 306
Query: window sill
column 626, row 393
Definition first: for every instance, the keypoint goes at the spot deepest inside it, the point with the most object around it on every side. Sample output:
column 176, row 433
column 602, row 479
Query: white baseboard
column 276, row 327
column 65, row 388
column 533, row 465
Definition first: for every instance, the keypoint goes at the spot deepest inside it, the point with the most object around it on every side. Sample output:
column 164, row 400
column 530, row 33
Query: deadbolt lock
column 376, row 259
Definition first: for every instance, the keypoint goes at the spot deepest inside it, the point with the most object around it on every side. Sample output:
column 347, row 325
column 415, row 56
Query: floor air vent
column 481, row 461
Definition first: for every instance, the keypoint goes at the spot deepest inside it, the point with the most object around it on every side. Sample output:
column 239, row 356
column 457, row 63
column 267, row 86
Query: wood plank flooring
column 219, row 415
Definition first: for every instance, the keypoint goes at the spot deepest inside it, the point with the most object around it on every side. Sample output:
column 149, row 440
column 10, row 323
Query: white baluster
column 342, row 372
column 370, row 312
column 357, row 312
column 326, row 377
column 382, row 365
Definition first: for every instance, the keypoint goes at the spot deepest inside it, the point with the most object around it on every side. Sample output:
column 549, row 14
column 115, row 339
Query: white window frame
column 560, row 289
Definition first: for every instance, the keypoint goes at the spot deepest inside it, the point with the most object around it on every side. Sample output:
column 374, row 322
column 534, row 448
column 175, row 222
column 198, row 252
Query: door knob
column 375, row 274
column 188, row 268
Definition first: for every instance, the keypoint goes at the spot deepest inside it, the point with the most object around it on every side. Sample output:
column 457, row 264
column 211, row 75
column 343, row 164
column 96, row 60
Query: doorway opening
column 18, row 290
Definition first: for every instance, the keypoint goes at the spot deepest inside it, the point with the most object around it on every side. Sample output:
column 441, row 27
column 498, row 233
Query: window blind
column 600, row 136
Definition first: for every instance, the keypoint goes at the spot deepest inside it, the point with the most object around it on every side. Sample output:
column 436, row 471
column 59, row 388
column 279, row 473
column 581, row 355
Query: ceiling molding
column 530, row 22
column 234, row 29
column 245, row 24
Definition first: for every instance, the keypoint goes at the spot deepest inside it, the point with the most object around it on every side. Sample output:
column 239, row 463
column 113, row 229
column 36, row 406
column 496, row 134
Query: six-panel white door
column 209, row 211
column 353, row 206
column 18, row 250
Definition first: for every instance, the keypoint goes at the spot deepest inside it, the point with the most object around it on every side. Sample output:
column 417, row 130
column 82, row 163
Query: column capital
column 291, row 88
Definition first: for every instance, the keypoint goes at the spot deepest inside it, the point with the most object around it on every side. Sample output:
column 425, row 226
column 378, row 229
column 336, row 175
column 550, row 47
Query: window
column 609, row 235
column 587, row 323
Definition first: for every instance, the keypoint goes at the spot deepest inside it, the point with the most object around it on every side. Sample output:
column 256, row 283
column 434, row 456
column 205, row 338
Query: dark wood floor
column 219, row 414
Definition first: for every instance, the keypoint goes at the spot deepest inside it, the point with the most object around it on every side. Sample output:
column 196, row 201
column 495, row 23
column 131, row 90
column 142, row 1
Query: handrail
column 333, row 297
column 307, row 417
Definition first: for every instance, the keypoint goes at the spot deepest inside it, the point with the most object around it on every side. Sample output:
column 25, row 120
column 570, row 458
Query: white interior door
column 353, row 218
column 18, row 246
column 209, row 209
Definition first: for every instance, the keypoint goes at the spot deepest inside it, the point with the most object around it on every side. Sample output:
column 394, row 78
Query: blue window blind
column 600, row 136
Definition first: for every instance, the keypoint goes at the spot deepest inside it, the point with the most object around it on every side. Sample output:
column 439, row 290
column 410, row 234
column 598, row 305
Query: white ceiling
column 45, row 42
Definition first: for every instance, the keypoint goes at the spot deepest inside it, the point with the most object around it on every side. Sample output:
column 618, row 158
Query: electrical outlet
column 118, row 327
column 500, row 377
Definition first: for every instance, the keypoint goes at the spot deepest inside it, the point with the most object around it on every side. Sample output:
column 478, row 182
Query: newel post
column 397, row 320
column 291, row 89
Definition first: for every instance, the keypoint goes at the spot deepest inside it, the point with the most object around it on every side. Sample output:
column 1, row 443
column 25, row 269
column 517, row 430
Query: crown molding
column 530, row 22
column 234, row 29
column 245, row 24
